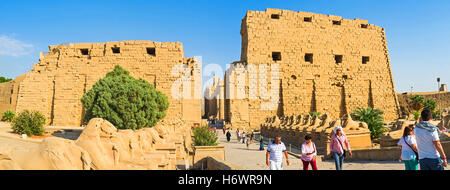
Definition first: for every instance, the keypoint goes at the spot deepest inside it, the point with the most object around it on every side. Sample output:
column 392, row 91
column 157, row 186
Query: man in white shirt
column 274, row 155
column 431, row 153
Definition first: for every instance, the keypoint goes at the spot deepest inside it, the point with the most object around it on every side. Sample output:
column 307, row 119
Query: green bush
column 126, row 102
column 30, row 123
column 416, row 115
column 315, row 114
column 429, row 104
column 437, row 114
column 416, row 102
column 8, row 116
column 204, row 137
column 373, row 118
column 3, row 79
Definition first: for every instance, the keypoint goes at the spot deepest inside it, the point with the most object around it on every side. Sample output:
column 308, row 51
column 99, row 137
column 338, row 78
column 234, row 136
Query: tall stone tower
column 326, row 64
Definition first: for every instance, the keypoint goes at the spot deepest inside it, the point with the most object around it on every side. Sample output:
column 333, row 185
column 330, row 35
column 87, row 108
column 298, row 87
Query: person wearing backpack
column 309, row 153
column 337, row 142
column 409, row 154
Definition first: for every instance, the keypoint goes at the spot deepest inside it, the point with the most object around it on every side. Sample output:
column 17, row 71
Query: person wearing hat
column 337, row 143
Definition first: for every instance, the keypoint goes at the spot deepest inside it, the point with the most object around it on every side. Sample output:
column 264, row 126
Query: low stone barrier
column 384, row 154
column 209, row 163
column 217, row 152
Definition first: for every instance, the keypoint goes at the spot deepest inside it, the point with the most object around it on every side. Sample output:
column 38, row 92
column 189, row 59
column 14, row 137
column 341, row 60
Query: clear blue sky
column 418, row 32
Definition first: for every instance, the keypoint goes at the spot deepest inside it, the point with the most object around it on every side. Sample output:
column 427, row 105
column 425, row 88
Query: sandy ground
column 253, row 159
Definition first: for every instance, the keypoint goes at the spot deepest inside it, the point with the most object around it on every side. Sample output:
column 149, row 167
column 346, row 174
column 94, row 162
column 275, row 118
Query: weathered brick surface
column 442, row 99
column 56, row 84
column 321, row 85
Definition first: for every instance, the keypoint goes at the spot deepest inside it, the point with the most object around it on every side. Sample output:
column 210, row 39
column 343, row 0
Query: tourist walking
column 409, row 149
column 243, row 137
column 431, row 153
column 228, row 136
column 252, row 136
column 309, row 153
column 337, row 143
column 274, row 155
column 224, row 129
column 238, row 135
column 261, row 143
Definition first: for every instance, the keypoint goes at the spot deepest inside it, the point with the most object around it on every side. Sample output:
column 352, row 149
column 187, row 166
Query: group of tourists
column 339, row 147
column 241, row 137
column 421, row 145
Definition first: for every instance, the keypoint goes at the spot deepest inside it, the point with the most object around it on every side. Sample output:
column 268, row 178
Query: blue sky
column 417, row 31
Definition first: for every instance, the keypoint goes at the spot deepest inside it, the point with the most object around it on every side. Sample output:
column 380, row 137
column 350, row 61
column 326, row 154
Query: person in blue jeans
column 431, row 153
column 337, row 143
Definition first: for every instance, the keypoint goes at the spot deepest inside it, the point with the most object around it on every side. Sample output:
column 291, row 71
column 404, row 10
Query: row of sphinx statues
column 292, row 129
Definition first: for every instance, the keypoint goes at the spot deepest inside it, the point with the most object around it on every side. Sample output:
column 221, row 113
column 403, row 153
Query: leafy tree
column 3, row 79
column 204, row 137
column 416, row 102
column 29, row 122
column 373, row 118
column 126, row 102
column 8, row 116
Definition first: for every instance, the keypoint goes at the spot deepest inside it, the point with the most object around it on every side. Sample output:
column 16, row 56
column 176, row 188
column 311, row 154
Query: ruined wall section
column 8, row 94
column 327, row 64
column 442, row 100
column 242, row 110
column 57, row 83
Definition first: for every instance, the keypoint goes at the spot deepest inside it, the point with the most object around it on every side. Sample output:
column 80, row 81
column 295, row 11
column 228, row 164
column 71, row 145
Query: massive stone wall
column 326, row 64
column 56, row 84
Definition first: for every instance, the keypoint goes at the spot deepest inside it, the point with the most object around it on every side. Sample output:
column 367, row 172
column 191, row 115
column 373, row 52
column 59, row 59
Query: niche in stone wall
column 309, row 57
column 370, row 94
column 338, row 58
column 151, row 51
column 343, row 106
column 313, row 106
column 84, row 51
column 115, row 49
column 276, row 56
column 365, row 59
column 336, row 22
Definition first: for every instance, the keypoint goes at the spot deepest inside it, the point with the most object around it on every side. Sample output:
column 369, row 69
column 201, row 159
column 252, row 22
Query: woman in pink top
column 337, row 143
column 309, row 153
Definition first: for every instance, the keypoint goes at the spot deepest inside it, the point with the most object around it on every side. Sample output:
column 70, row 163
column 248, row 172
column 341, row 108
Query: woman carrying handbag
column 337, row 142
column 409, row 154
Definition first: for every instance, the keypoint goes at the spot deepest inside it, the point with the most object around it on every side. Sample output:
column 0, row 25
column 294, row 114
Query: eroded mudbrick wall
column 326, row 64
column 8, row 94
column 56, row 84
column 442, row 99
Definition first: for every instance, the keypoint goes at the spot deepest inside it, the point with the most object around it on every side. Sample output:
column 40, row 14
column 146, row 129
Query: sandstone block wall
column 56, row 84
column 326, row 64
column 8, row 94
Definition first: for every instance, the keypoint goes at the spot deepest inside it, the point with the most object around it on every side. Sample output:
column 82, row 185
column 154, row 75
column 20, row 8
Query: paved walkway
column 253, row 159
